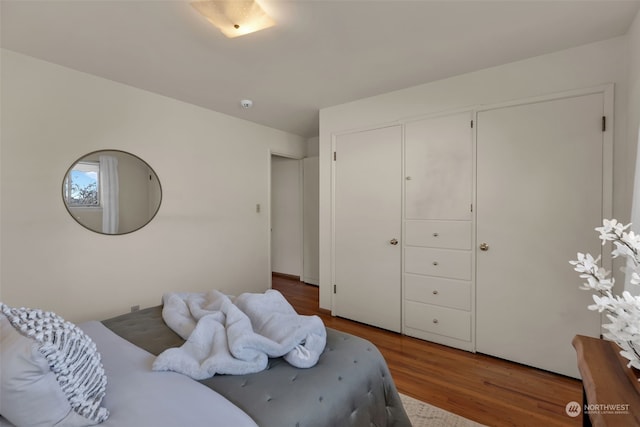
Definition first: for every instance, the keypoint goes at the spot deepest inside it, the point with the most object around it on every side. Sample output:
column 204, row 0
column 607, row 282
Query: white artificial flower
column 585, row 263
column 605, row 284
column 623, row 312
column 579, row 261
column 632, row 239
column 633, row 359
column 610, row 230
column 596, row 276
column 606, row 226
column 601, row 303
column 621, row 250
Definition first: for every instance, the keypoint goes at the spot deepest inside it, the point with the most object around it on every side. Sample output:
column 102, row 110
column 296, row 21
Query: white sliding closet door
column 539, row 197
column 367, row 226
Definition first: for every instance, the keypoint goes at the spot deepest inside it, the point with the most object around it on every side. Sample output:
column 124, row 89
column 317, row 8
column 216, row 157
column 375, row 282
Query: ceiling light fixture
column 235, row 17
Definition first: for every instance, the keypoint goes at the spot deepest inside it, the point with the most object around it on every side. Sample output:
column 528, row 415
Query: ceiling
column 321, row 53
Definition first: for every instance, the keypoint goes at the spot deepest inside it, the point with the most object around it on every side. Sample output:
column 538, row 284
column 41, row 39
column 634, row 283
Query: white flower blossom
column 631, row 238
column 601, row 303
column 611, row 230
column 623, row 311
column 621, row 249
column 596, row 276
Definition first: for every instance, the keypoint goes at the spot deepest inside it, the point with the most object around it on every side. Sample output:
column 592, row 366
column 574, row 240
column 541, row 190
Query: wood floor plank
column 482, row 388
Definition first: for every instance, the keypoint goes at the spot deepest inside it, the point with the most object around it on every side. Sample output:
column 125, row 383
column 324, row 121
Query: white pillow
column 51, row 373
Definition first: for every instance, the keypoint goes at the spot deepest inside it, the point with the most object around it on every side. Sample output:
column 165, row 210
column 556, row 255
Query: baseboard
column 311, row 281
column 285, row 275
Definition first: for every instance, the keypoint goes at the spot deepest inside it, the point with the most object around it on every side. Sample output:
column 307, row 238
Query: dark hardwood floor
column 485, row 389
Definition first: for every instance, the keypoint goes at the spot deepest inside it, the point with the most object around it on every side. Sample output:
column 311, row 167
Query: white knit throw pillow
column 72, row 356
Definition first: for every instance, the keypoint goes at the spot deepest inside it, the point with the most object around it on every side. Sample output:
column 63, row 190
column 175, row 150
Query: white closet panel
column 439, row 168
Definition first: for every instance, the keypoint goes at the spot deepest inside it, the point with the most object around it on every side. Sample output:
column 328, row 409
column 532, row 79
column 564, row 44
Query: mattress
column 350, row 386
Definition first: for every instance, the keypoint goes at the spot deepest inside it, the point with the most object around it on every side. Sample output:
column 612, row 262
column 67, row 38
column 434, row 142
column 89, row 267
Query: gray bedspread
column 350, row 386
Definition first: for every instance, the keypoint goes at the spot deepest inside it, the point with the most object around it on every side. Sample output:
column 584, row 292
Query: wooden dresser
column 611, row 390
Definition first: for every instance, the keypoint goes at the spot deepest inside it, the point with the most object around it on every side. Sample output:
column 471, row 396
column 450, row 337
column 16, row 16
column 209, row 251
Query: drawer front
column 438, row 291
column 438, row 234
column 453, row 264
column 438, row 320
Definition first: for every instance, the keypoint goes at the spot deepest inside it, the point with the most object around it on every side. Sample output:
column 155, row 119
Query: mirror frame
column 108, row 150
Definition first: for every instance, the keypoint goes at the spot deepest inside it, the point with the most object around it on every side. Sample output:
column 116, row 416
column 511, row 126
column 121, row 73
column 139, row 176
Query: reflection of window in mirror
column 111, row 192
column 82, row 186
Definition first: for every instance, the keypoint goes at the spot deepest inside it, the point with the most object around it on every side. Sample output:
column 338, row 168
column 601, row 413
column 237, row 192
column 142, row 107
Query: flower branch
column 622, row 311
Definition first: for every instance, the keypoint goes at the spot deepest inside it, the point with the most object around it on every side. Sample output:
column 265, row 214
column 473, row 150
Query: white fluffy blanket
column 237, row 336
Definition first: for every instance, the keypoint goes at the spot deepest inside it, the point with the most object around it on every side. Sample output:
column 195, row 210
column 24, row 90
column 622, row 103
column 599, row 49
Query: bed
column 349, row 386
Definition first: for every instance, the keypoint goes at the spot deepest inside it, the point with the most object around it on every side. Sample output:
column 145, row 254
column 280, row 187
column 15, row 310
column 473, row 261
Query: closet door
column 367, row 226
column 539, row 197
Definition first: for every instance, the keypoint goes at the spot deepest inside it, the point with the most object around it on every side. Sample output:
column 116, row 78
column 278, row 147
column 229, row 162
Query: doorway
column 286, row 216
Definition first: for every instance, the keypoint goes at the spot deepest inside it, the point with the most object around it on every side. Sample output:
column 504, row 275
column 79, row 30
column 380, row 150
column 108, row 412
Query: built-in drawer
column 453, row 264
column 438, row 234
column 438, row 320
column 438, row 291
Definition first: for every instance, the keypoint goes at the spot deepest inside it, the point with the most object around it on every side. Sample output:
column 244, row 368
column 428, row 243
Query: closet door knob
column 393, row 241
column 484, row 247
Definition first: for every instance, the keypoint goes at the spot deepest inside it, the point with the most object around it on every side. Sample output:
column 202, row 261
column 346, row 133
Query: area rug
column 422, row 414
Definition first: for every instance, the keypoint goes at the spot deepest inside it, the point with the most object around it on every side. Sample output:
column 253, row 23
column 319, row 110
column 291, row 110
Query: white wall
column 634, row 84
column 633, row 125
column 213, row 169
column 581, row 67
column 286, row 216
column 312, row 146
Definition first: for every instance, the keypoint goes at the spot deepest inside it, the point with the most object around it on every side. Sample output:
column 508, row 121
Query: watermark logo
column 572, row 409
column 607, row 408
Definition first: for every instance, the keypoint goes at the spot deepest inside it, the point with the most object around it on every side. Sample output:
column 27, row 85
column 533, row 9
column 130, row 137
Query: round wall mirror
column 111, row 192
